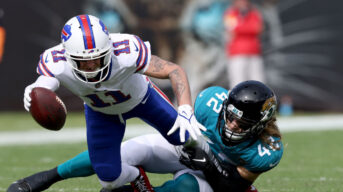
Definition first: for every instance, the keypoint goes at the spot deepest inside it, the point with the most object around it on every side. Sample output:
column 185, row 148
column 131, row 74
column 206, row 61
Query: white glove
column 42, row 81
column 186, row 121
column 27, row 98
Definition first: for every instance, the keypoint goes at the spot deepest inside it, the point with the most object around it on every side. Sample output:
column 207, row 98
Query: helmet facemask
column 92, row 77
column 250, row 127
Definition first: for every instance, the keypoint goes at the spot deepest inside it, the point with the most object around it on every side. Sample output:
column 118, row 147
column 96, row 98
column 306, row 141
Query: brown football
column 47, row 109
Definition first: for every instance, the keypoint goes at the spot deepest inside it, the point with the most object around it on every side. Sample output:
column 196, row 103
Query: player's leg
column 185, row 182
column 153, row 153
column 157, row 111
column 104, row 137
column 36, row 182
column 79, row 166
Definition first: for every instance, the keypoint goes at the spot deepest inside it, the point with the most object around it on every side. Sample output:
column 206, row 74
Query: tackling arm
column 197, row 155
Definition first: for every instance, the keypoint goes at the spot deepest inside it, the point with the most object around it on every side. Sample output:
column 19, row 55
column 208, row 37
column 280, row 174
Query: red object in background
column 244, row 30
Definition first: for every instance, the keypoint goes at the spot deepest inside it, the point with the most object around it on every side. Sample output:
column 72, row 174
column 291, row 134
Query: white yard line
column 75, row 135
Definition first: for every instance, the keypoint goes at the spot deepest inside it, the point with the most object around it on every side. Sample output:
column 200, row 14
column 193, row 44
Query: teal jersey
column 255, row 156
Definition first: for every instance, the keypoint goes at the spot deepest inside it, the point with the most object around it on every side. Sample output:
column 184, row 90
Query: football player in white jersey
column 109, row 73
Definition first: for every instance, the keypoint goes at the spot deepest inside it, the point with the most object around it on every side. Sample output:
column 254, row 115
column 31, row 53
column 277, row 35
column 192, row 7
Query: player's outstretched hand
column 186, row 122
column 27, row 97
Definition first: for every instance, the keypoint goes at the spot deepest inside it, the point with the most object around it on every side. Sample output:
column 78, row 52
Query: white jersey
column 124, row 87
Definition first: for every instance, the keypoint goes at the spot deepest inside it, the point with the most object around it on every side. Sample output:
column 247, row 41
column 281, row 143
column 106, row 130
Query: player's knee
column 186, row 182
column 107, row 172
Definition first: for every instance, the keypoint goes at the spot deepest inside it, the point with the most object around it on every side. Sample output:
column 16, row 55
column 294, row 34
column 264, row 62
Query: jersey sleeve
column 132, row 52
column 51, row 62
column 264, row 157
column 208, row 104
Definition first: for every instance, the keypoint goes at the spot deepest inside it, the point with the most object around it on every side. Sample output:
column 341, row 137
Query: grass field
column 312, row 161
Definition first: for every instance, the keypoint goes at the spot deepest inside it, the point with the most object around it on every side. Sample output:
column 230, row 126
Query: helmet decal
column 268, row 108
column 235, row 111
column 269, row 103
column 86, row 27
column 66, row 33
column 104, row 28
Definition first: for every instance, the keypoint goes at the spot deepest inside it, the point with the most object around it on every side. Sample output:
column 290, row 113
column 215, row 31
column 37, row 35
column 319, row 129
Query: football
column 47, row 109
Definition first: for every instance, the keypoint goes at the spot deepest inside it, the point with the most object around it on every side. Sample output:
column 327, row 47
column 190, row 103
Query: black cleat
column 19, row 186
column 36, row 182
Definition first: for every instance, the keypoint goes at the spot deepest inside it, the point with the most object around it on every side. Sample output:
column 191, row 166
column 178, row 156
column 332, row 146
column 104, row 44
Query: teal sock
column 185, row 182
column 79, row 166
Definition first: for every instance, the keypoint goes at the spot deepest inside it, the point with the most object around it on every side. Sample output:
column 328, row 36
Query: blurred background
column 301, row 43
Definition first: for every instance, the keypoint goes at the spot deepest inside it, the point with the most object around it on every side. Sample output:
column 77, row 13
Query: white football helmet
column 85, row 37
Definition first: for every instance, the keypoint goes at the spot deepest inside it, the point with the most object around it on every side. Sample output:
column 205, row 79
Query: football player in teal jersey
column 241, row 141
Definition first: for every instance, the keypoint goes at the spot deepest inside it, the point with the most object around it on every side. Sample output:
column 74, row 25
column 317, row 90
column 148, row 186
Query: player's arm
column 246, row 174
column 229, row 177
column 42, row 81
column 235, row 179
column 162, row 69
column 47, row 69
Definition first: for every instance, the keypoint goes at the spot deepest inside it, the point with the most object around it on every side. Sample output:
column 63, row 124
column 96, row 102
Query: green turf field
column 312, row 162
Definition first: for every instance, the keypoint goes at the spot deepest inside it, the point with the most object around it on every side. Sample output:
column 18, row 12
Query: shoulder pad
column 131, row 51
column 51, row 61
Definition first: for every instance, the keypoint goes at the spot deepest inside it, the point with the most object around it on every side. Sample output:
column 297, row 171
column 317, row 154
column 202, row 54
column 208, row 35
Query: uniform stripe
column 160, row 92
column 88, row 36
column 140, row 52
column 43, row 69
column 143, row 55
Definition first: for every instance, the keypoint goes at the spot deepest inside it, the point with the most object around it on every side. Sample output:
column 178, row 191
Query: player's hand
column 186, row 122
column 195, row 158
column 27, row 98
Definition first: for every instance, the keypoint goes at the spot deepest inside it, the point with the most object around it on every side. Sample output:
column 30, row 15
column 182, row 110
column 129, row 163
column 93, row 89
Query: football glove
column 42, row 81
column 197, row 155
column 27, row 97
column 186, row 121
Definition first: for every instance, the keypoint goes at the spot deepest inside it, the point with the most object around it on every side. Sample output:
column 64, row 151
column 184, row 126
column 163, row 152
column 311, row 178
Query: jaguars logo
column 269, row 108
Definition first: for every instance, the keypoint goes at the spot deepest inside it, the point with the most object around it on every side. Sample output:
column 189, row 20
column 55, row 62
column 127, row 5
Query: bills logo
column 91, row 51
column 66, row 33
column 104, row 28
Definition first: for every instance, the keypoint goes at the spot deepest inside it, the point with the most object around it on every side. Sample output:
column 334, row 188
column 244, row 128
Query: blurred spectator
column 243, row 25
column 286, row 106
column 273, row 28
column 115, row 14
column 202, row 28
column 157, row 22
column 2, row 34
